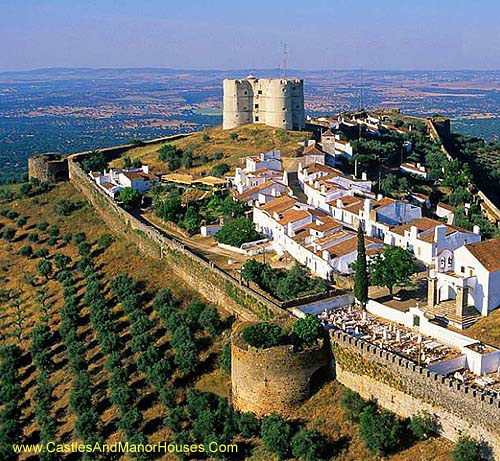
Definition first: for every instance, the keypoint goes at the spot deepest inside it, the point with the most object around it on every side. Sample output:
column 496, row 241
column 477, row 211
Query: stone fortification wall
column 273, row 380
column 48, row 167
column 439, row 130
column 406, row 389
column 201, row 274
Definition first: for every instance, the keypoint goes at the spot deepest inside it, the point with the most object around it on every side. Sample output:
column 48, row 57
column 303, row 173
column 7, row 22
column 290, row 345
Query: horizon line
column 245, row 69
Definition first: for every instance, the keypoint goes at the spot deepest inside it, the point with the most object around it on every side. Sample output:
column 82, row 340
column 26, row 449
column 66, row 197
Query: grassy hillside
column 252, row 139
column 25, row 292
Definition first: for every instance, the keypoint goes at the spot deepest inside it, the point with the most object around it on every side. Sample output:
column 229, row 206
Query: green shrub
column 353, row 405
column 380, row 430
column 79, row 237
column 26, row 251
column 308, row 329
column 52, row 241
column 225, row 358
column 21, row 222
column 262, row 335
column 276, row 435
column 466, row 449
column 8, row 233
column 422, row 426
column 248, row 425
column 306, row 445
column 41, row 253
column 104, row 241
column 33, row 237
column 42, row 226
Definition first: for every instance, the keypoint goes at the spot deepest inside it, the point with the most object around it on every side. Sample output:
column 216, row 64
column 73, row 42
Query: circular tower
column 273, row 380
column 278, row 104
column 237, row 103
column 51, row 166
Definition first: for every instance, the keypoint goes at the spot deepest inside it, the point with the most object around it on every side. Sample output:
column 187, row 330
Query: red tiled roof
column 278, row 204
column 487, row 253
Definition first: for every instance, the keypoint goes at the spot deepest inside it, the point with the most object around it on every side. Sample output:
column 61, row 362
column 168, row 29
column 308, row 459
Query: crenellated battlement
column 407, row 388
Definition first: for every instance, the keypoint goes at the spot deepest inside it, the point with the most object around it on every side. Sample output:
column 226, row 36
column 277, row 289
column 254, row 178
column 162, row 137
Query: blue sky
column 221, row 34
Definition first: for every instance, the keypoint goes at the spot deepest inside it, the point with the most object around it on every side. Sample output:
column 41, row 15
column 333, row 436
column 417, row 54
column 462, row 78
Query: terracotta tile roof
column 373, row 251
column 108, row 185
column 333, row 237
column 422, row 224
column 445, row 206
column 346, row 200
column 413, row 167
column 140, row 175
column 487, row 253
column 383, row 202
column 313, row 150
column 318, row 167
column 254, row 190
column 327, row 223
column 278, row 204
column 292, row 215
column 343, row 248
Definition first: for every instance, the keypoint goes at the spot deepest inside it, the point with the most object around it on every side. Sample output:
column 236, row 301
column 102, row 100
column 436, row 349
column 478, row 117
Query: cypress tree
column 361, row 274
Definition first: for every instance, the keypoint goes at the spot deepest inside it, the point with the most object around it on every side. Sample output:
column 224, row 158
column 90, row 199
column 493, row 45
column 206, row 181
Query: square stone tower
column 276, row 102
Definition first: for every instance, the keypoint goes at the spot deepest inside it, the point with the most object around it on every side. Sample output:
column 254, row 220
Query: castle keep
column 275, row 102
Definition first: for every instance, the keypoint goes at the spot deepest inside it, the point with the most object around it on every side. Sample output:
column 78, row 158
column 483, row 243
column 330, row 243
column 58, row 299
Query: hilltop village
column 272, row 214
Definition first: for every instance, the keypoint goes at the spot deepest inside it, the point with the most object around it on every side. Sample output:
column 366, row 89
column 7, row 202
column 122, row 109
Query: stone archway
column 446, row 292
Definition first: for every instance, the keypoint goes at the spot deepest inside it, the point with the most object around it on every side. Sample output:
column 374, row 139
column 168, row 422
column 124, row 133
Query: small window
column 462, row 269
column 259, row 92
column 246, row 92
column 284, row 121
column 284, row 108
column 256, row 106
column 256, row 119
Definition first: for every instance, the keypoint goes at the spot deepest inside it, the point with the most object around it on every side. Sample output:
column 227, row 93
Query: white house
column 259, row 169
column 444, row 211
column 469, row 274
column 210, row 229
column 139, row 179
column 323, row 184
column 270, row 160
column 262, row 193
column 414, row 168
column 333, row 145
column 426, row 238
column 313, row 154
column 114, row 180
column 313, row 238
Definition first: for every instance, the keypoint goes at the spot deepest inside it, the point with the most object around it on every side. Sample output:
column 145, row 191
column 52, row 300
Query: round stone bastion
column 274, row 380
column 51, row 166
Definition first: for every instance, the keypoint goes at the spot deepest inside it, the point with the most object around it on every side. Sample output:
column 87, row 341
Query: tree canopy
column 237, row 232
column 395, row 267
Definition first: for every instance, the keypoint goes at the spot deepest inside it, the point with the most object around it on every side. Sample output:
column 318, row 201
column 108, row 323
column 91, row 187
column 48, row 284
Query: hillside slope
column 25, row 291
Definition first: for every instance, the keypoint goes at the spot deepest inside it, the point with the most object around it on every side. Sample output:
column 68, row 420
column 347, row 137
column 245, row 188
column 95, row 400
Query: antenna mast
column 361, row 90
column 285, row 58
